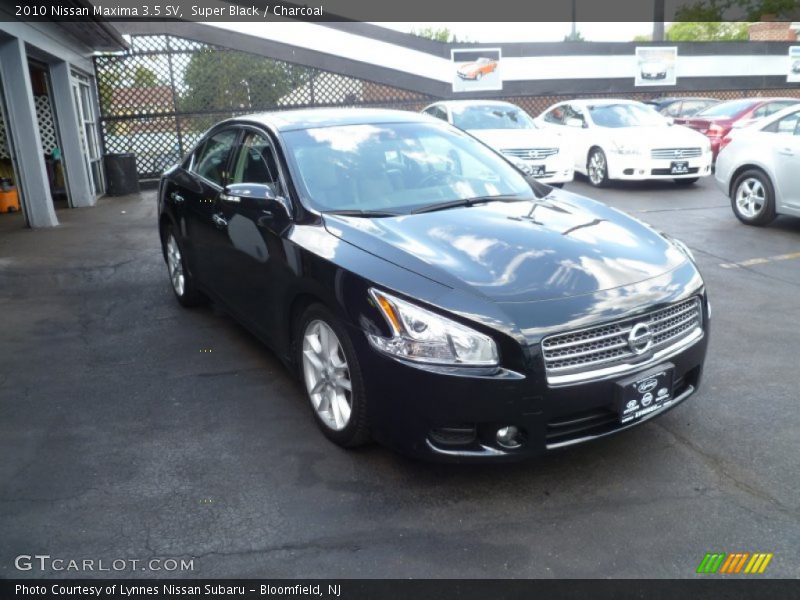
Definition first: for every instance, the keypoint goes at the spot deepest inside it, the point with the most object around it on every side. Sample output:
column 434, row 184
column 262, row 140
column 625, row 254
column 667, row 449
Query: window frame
column 198, row 151
column 281, row 178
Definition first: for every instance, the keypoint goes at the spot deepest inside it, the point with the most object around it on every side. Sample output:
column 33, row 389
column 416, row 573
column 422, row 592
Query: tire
column 753, row 198
column 327, row 405
column 183, row 284
column 597, row 168
column 557, row 185
column 479, row 76
column 687, row 182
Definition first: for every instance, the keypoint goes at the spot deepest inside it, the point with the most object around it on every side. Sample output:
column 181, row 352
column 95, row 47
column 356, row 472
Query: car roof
column 455, row 103
column 681, row 98
column 308, row 118
column 601, row 101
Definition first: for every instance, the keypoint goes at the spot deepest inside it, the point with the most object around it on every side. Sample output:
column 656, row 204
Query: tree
column 439, row 34
column 230, row 80
column 745, row 10
column 574, row 37
column 144, row 77
column 708, row 31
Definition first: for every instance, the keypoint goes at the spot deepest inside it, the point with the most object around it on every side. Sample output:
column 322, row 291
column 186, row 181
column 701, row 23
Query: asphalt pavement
column 131, row 428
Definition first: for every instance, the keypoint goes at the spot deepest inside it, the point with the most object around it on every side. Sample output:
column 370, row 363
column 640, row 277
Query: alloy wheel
column 597, row 168
column 750, row 197
column 327, row 375
column 175, row 265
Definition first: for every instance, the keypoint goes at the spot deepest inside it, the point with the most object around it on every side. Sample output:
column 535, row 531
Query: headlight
column 625, row 148
column 423, row 336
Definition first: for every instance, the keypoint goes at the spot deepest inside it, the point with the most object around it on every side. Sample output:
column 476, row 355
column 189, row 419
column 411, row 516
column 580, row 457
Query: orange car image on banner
column 476, row 69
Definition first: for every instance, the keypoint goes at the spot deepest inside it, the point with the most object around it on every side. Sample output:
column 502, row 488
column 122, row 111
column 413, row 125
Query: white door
column 786, row 156
column 87, row 118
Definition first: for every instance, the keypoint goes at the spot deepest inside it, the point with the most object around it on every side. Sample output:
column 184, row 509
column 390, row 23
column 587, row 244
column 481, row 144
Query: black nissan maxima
column 426, row 292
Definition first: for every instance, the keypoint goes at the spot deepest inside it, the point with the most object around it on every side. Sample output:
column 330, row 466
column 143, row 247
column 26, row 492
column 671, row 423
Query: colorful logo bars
column 736, row 562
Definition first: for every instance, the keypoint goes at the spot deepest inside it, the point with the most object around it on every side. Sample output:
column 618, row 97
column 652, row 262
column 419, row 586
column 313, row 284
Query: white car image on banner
column 476, row 69
column 793, row 76
column 656, row 66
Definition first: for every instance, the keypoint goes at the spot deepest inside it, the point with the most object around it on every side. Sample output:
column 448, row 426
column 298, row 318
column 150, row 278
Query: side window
column 691, row 107
column 770, row 108
column 555, row 116
column 255, row 163
column 674, row 109
column 212, row 160
column 437, row 111
column 788, row 125
column 570, row 112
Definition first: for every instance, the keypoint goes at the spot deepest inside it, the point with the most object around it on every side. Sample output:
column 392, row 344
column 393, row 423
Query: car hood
column 502, row 139
column 557, row 247
column 668, row 136
column 468, row 66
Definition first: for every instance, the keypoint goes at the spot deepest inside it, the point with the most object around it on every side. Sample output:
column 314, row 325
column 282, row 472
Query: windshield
column 396, row 167
column 726, row 109
column 491, row 117
column 625, row 115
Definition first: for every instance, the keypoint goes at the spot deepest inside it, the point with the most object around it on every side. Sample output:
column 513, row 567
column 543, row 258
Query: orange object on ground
column 9, row 201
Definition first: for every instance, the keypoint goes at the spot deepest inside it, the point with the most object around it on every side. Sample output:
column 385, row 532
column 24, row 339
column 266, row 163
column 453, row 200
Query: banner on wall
column 656, row 66
column 476, row 69
column 793, row 76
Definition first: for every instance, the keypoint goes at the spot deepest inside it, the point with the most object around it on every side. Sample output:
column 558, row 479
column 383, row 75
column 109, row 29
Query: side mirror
column 258, row 196
column 573, row 122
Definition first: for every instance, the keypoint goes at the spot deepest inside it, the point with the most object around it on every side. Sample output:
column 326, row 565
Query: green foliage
column 439, row 34
column 144, row 77
column 576, row 37
column 708, row 31
column 221, row 80
column 744, row 10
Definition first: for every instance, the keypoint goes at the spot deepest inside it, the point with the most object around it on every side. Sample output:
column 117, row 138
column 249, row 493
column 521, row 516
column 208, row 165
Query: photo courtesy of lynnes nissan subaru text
column 427, row 293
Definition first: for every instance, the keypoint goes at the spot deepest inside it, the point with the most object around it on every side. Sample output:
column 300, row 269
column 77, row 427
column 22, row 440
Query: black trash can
column 121, row 174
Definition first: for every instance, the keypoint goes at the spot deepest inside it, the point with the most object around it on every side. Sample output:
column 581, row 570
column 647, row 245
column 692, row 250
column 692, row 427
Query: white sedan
column 509, row 130
column 758, row 168
column 624, row 139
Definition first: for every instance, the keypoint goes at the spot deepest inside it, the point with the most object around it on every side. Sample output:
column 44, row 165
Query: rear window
column 726, row 109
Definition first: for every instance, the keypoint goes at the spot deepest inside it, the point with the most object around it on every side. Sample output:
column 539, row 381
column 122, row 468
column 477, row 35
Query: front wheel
column 332, row 378
column 183, row 284
column 753, row 198
column 597, row 168
column 689, row 181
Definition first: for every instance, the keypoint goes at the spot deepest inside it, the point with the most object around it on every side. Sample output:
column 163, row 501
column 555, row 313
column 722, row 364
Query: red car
column 716, row 121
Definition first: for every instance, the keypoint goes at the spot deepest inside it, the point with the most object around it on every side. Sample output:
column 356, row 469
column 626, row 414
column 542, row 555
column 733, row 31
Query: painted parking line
column 760, row 261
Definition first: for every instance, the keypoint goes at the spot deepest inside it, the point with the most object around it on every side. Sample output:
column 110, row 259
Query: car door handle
column 219, row 221
column 786, row 151
column 176, row 197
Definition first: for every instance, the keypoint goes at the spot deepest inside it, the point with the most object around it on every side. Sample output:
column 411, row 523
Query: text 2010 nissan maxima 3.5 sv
column 427, row 293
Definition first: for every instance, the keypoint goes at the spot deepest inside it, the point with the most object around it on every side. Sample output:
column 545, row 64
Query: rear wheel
column 753, row 198
column 689, row 181
column 597, row 168
column 183, row 284
column 332, row 377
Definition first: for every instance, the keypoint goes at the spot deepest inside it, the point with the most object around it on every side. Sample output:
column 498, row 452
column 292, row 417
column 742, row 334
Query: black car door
column 208, row 173
column 254, row 258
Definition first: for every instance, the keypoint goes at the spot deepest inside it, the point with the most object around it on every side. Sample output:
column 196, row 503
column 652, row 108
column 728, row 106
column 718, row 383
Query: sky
column 533, row 32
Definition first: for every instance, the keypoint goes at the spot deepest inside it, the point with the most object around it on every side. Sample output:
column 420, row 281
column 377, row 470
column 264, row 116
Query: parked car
column 509, row 130
column 653, row 69
column 716, row 121
column 477, row 69
column 681, row 107
column 624, row 139
column 428, row 294
column 758, row 168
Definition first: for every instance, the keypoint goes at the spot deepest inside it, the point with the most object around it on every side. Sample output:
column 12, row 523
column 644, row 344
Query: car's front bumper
column 637, row 168
column 557, row 169
column 419, row 411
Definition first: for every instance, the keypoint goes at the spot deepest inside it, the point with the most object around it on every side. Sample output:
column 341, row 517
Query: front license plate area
column 679, row 167
column 537, row 170
column 645, row 393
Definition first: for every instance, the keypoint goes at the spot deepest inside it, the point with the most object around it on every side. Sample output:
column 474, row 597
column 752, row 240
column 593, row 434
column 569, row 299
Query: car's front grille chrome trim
column 530, row 153
column 675, row 153
column 605, row 350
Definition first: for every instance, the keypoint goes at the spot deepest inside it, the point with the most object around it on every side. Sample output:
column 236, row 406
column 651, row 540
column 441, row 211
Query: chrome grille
column 675, row 153
column 530, row 153
column 588, row 350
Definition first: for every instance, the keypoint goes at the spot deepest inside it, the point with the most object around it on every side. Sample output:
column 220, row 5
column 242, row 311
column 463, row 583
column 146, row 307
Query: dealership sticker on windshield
column 645, row 393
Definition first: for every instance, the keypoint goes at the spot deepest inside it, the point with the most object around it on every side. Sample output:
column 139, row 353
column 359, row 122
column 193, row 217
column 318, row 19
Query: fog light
column 508, row 437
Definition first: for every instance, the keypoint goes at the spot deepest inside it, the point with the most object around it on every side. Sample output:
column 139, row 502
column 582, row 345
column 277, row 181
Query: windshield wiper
column 361, row 213
column 463, row 202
